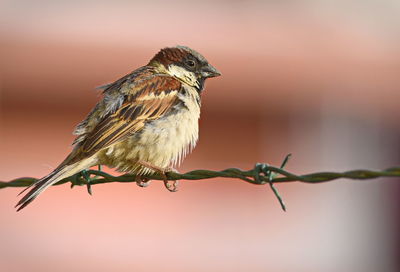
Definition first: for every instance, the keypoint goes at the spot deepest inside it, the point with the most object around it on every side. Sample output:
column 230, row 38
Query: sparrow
column 146, row 122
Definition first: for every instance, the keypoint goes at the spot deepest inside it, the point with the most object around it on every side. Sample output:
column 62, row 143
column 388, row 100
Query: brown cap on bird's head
column 184, row 56
column 169, row 55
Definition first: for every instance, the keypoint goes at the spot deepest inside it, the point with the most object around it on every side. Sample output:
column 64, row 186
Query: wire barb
column 86, row 175
column 265, row 169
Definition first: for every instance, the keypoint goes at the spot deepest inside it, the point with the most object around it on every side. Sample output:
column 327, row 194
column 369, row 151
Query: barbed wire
column 261, row 174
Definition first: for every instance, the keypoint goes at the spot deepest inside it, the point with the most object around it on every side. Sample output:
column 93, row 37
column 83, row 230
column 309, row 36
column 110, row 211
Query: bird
column 145, row 123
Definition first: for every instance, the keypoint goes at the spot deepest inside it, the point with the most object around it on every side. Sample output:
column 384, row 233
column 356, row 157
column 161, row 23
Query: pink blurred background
column 319, row 79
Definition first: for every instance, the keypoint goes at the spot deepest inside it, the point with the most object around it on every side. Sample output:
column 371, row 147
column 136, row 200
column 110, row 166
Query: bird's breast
column 163, row 142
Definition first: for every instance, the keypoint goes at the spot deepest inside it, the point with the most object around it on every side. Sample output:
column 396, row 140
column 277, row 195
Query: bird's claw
column 171, row 185
column 142, row 181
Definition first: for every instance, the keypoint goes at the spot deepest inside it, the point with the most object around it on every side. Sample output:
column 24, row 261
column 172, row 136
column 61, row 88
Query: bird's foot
column 142, row 181
column 171, row 185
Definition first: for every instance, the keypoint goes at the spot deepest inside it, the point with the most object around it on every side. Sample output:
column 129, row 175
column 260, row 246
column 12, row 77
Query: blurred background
column 316, row 78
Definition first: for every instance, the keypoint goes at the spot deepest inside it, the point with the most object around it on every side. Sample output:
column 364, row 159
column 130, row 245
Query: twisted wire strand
column 248, row 176
column 269, row 175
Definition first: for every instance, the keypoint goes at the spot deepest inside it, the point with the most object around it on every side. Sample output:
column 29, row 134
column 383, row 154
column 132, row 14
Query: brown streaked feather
column 138, row 75
column 147, row 100
column 114, row 96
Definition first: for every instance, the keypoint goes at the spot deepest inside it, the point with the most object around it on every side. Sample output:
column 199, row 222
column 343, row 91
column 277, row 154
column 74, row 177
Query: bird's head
column 185, row 64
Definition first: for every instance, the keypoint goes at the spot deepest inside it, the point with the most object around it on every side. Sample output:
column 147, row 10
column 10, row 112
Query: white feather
column 183, row 74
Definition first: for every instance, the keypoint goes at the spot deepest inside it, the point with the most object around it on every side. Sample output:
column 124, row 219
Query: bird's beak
column 209, row 71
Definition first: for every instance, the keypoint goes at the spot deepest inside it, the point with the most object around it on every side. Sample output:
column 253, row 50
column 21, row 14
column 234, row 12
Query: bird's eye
column 190, row 63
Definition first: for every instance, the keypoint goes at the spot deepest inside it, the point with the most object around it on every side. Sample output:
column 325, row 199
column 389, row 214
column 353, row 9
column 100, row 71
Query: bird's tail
column 61, row 172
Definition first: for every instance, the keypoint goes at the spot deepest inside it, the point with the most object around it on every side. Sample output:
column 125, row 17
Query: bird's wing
column 146, row 101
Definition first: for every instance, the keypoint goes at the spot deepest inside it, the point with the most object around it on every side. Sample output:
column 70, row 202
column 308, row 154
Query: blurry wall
column 319, row 79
